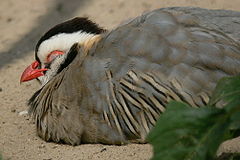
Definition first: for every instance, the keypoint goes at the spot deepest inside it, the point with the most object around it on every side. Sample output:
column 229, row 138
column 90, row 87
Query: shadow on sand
column 61, row 10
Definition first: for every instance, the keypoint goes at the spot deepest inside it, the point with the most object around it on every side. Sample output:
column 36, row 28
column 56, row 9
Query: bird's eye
column 51, row 56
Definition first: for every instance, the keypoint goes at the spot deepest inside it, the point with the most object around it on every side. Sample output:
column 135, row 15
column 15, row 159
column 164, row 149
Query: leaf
column 188, row 133
column 228, row 92
column 228, row 89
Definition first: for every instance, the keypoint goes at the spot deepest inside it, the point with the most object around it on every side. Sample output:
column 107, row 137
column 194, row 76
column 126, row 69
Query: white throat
column 53, row 70
column 62, row 42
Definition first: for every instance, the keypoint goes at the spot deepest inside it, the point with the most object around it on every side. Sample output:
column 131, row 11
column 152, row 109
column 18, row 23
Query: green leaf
column 188, row 133
column 227, row 90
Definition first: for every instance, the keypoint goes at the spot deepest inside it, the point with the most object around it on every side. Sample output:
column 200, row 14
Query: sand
column 22, row 22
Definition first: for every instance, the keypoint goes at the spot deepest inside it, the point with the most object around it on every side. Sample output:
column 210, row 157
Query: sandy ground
column 21, row 24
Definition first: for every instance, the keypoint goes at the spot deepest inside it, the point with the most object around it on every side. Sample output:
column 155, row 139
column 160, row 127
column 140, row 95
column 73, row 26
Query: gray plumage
column 114, row 91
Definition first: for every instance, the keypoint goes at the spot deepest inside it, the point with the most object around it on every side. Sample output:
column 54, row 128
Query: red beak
column 31, row 72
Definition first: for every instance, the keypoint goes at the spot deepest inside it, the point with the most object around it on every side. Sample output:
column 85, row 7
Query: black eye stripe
column 70, row 57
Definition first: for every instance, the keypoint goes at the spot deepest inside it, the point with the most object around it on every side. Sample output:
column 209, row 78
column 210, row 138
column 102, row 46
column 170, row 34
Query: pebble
column 55, row 146
column 42, row 146
column 104, row 149
column 23, row 113
column 9, row 19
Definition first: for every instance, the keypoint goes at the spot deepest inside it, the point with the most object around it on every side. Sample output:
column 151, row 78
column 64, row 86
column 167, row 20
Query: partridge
column 110, row 87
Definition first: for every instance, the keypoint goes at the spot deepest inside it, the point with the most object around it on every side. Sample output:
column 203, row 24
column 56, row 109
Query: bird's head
column 52, row 50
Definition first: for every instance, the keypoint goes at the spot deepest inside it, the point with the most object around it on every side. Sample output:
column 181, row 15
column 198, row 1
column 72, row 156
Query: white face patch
column 61, row 42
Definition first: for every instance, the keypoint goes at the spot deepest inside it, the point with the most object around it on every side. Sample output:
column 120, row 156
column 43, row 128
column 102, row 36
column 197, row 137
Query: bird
column 111, row 86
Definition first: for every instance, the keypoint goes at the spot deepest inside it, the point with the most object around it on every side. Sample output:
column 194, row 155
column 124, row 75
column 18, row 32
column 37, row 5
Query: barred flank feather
column 132, row 106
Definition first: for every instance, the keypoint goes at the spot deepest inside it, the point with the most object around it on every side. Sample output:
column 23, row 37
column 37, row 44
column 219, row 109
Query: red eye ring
column 52, row 55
